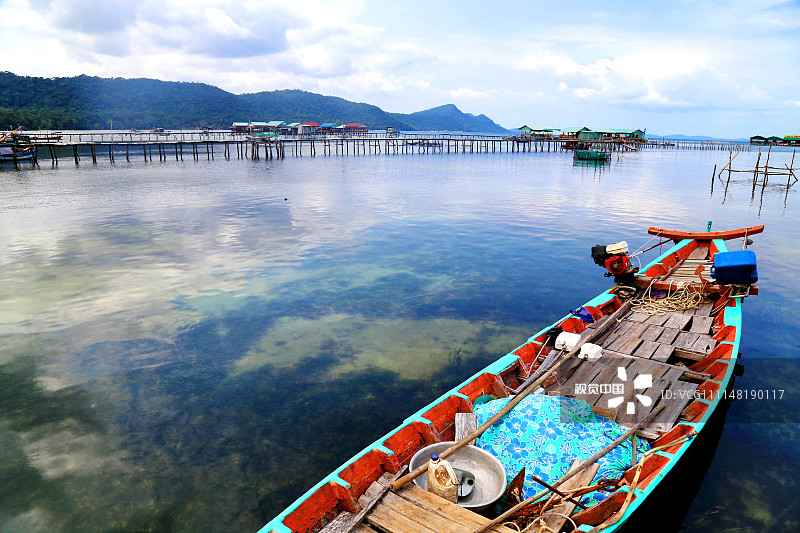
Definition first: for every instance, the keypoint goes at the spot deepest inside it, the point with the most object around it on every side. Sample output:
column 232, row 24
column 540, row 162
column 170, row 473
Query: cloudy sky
column 725, row 68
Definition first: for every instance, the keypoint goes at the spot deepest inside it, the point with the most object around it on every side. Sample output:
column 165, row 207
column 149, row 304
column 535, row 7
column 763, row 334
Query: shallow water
column 190, row 346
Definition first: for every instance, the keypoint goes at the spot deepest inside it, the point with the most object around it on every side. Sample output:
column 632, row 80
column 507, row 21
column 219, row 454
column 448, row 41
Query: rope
column 679, row 299
column 656, row 236
column 544, row 527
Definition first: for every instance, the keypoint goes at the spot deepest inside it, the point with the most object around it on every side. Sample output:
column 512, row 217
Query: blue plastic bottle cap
column 434, row 457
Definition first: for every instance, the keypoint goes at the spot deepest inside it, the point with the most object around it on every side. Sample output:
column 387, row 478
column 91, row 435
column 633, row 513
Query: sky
column 727, row 69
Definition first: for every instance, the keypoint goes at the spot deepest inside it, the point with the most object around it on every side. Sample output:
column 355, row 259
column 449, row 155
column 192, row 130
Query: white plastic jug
column 442, row 480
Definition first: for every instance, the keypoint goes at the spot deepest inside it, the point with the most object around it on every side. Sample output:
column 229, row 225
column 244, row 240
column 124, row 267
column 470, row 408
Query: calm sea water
column 190, row 346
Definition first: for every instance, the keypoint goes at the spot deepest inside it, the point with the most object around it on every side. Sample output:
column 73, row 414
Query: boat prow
column 705, row 235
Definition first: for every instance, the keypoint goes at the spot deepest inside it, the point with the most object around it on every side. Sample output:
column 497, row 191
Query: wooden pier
column 212, row 144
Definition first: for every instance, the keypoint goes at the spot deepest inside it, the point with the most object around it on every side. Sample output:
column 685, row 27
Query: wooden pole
column 713, row 175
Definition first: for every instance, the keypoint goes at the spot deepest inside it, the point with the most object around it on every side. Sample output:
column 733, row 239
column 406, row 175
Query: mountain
column 449, row 118
column 300, row 106
column 88, row 102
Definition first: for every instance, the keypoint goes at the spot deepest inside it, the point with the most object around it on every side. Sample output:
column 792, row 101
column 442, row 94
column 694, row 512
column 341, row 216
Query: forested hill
column 87, row 102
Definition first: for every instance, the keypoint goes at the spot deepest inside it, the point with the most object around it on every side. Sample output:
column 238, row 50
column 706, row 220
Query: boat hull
column 340, row 490
column 16, row 154
column 591, row 155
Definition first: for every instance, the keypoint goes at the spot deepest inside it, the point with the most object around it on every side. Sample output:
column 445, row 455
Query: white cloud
column 463, row 92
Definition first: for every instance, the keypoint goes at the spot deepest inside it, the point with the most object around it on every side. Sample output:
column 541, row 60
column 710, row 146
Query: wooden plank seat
column 410, row 510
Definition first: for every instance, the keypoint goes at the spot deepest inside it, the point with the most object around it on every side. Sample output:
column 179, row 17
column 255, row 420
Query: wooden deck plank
column 629, row 345
column 598, row 322
column 431, row 502
column 384, row 517
column 685, row 339
column 585, row 373
column 689, row 354
column 668, row 335
column 637, row 316
column 640, row 409
column 702, row 324
column 648, row 366
column 677, row 321
column 701, row 252
column 657, row 320
column 663, row 352
column 652, row 333
column 672, row 374
column 704, row 344
column 618, row 343
column 679, row 394
column 342, row 524
column 608, row 339
column 646, row 349
column 637, row 329
column 704, row 309
column 622, row 327
column 606, row 376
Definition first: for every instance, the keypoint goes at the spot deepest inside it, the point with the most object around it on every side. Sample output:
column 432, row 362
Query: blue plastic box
column 735, row 268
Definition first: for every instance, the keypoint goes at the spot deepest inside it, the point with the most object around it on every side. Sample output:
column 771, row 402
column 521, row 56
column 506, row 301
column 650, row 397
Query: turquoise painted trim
column 417, row 418
column 339, row 481
column 665, row 454
column 502, row 364
column 384, row 449
column 720, row 244
column 600, row 299
column 279, row 528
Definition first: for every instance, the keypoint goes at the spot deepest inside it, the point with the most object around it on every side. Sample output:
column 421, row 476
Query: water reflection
column 173, row 334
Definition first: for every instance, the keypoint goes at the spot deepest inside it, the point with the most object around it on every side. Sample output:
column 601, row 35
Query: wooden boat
column 15, row 147
column 592, row 155
column 17, row 153
column 690, row 353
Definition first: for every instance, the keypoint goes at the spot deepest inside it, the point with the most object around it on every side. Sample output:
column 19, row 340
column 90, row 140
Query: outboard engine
column 613, row 257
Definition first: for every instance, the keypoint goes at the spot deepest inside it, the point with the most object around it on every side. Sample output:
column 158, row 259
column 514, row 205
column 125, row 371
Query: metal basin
column 490, row 475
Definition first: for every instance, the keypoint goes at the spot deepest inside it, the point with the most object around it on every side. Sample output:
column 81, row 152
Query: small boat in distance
column 592, row 155
column 647, row 362
column 15, row 147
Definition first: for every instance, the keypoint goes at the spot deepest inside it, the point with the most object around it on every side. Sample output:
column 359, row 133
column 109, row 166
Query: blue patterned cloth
column 545, row 434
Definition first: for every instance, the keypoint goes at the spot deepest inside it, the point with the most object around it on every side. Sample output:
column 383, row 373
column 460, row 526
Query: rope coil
column 679, row 299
